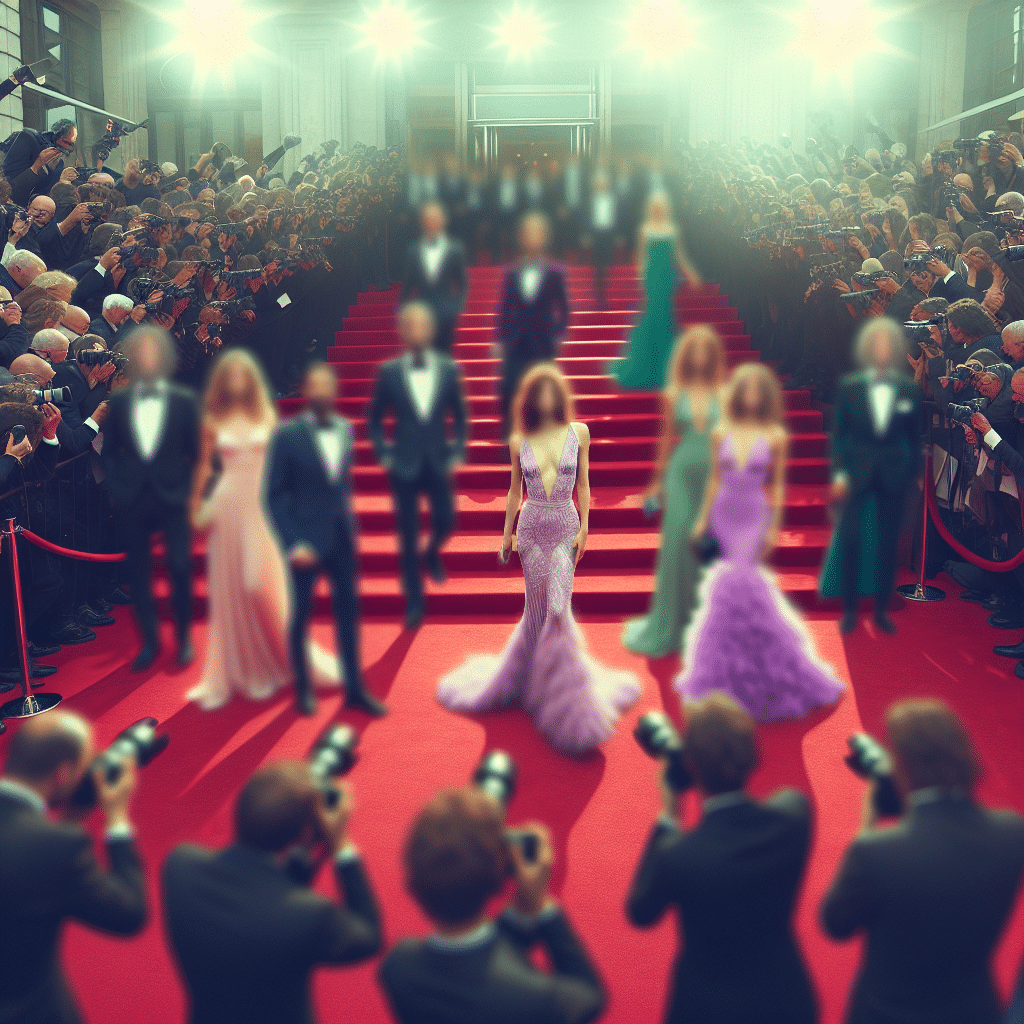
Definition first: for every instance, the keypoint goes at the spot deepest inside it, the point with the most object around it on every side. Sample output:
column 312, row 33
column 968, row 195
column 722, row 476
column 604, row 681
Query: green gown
column 660, row 632
column 830, row 583
column 651, row 340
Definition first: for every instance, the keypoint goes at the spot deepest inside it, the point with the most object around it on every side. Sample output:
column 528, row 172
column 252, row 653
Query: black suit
column 445, row 294
column 734, row 880
column 529, row 329
column 48, row 875
column 493, row 981
column 25, row 183
column 932, row 896
column 885, row 466
column 308, row 507
column 421, row 455
column 111, row 335
column 151, row 496
column 247, row 936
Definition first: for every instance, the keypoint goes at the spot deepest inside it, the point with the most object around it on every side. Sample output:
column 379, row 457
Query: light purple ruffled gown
column 745, row 638
column 545, row 668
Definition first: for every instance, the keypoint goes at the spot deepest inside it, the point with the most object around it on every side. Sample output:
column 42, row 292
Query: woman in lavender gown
column 745, row 638
column 247, row 582
column 545, row 668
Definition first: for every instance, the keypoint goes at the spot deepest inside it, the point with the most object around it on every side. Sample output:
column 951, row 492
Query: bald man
column 75, row 323
column 60, row 243
column 33, row 366
column 47, row 759
column 13, row 336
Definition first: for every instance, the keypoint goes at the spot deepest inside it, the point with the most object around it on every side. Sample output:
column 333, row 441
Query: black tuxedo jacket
column 101, row 326
column 305, row 505
column 734, row 880
column 418, row 440
column 932, row 895
column 495, row 982
column 48, row 875
column 69, row 374
column 25, row 183
column 529, row 329
column 447, row 294
column 169, row 472
column 247, row 936
column 858, row 451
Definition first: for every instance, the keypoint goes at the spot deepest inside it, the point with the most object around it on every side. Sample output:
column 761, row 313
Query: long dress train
column 745, row 638
column 545, row 667
column 247, row 583
column 660, row 631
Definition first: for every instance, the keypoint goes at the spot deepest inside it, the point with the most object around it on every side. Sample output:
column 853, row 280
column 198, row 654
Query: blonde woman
column 247, row 582
column 745, row 639
column 697, row 369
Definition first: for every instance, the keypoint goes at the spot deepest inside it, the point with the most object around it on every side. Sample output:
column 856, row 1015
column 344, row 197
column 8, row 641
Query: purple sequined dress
column 545, row 668
column 745, row 638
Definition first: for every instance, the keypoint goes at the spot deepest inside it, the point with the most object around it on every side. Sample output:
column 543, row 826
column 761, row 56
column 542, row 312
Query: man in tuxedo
column 503, row 209
column 49, row 873
column 150, row 450
column 533, row 313
column 309, row 495
column 602, row 232
column 932, row 894
column 733, row 880
column 473, row 969
column 435, row 273
column 420, row 389
column 113, row 319
column 876, row 448
column 245, row 926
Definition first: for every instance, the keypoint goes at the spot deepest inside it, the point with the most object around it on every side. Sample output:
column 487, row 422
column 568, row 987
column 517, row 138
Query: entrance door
column 530, row 146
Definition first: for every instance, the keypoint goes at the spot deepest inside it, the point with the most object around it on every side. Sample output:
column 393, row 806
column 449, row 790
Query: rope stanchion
column 920, row 591
column 56, row 549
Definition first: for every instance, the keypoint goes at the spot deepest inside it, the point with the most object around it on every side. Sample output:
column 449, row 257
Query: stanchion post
column 920, row 591
column 29, row 703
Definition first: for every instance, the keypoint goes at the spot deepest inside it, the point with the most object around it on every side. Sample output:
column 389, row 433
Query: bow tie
column 148, row 391
column 419, row 360
column 432, row 243
column 324, row 424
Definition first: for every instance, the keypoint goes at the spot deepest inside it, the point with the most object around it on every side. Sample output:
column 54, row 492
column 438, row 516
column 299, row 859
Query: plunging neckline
column 750, row 454
column 707, row 412
column 558, row 464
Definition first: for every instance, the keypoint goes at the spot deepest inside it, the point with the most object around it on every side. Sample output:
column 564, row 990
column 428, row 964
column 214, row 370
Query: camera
column 918, row 261
column 98, row 357
column 1012, row 253
column 18, row 433
column 919, row 330
column 333, row 755
column 226, row 229
column 963, row 413
column 497, row 776
column 234, row 278
column 868, row 759
column 875, row 219
column 969, row 148
column 866, row 279
column 99, row 209
column 112, row 138
column 951, row 196
column 140, row 741
column 145, row 253
column 51, row 396
column 861, row 299
column 657, row 737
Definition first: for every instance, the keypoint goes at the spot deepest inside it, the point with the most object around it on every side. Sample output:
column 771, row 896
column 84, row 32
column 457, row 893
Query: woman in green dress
column 691, row 408
column 660, row 260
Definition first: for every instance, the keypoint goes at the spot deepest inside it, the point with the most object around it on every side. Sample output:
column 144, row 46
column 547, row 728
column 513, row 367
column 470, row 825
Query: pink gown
column 247, row 582
column 545, row 668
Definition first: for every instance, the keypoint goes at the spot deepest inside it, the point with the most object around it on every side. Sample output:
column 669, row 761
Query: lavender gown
column 545, row 668
column 745, row 638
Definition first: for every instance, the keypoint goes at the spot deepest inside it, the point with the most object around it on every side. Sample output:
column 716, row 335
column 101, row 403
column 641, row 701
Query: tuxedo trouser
column 438, row 489
column 136, row 524
column 340, row 567
column 512, row 372
column 603, row 256
column 890, row 519
column 444, row 336
column 40, row 588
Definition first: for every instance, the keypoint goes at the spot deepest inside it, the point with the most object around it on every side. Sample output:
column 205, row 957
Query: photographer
column 35, row 160
column 932, row 893
column 733, row 879
column 13, row 336
column 47, row 759
column 20, row 271
column 473, row 969
column 114, row 318
column 246, row 932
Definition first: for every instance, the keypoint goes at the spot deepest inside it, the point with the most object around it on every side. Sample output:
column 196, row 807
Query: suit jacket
column 25, row 183
column 494, row 981
column 305, row 505
column 69, row 884
column 734, row 880
column 530, row 329
column 69, row 374
column 101, row 326
column 418, row 440
column 447, row 294
column 955, row 288
column 93, row 287
column 932, row 896
column 858, row 451
column 169, row 472
column 13, row 343
column 247, row 936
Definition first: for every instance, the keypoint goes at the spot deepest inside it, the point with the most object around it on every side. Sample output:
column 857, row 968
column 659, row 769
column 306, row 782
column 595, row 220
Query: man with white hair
column 20, row 271
column 51, row 344
column 1012, row 337
column 75, row 323
column 116, row 310
column 876, row 450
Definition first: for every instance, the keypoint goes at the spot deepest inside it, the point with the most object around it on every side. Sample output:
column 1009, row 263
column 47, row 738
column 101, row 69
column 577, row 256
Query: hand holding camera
column 18, row 444
column 46, row 158
column 980, row 423
column 110, row 258
column 114, row 795
column 51, row 420
column 533, row 875
column 10, row 313
column 334, row 816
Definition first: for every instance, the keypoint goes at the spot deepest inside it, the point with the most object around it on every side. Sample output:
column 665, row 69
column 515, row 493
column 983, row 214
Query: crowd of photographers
column 930, row 892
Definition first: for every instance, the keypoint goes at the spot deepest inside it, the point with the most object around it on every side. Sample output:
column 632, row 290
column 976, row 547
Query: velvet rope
column 85, row 556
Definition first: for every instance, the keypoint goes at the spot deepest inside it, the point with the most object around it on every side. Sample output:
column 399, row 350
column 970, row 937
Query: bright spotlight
column 392, row 30
column 521, row 32
column 661, row 30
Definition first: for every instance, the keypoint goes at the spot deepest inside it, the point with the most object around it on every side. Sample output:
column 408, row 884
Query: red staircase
column 616, row 574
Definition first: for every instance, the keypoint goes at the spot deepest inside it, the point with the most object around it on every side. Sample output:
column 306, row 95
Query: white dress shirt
column 422, row 382
column 329, row 444
column 148, row 417
column 882, row 395
column 604, row 211
column 529, row 279
column 507, row 193
column 572, row 185
column 432, row 253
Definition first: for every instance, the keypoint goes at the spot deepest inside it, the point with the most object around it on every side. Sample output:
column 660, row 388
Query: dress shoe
column 1010, row 619
column 848, row 623
column 101, row 606
column 42, row 671
column 884, row 623
column 1010, row 650
column 72, row 633
column 993, row 602
column 1018, row 670
column 145, row 657
column 13, row 675
column 46, row 650
column 305, row 703
column 973, row 595
column 413, row 617
column 120, row 597
column 360, row 700
column 432, row 560
column 186, row 653
column 90, row 619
